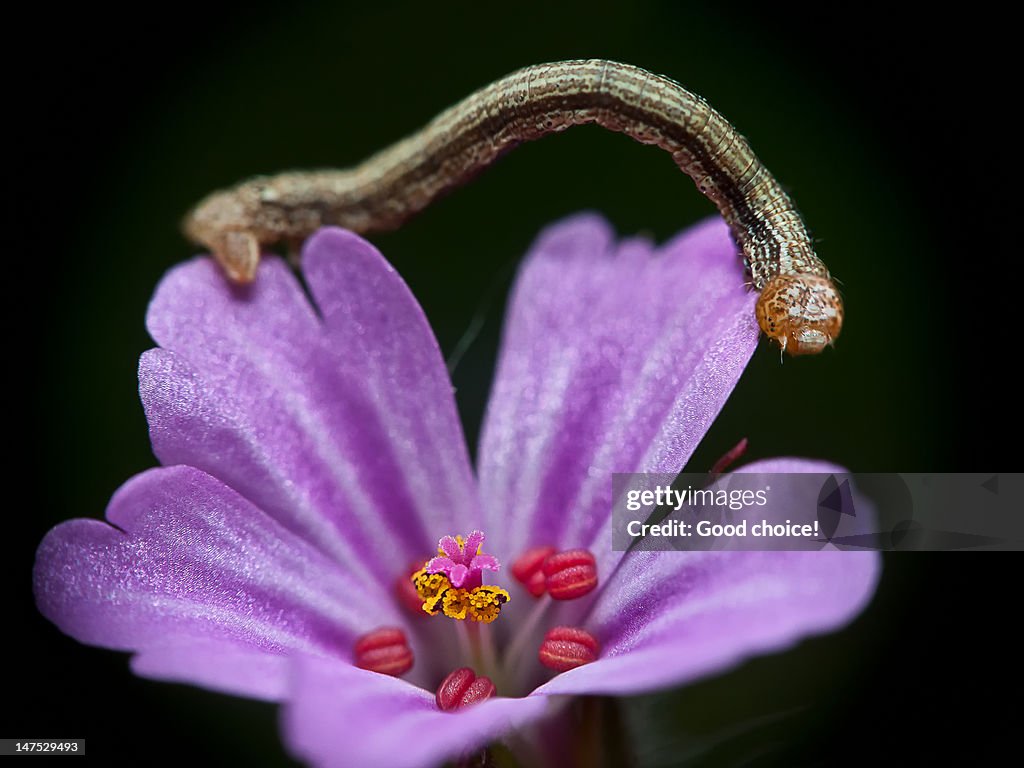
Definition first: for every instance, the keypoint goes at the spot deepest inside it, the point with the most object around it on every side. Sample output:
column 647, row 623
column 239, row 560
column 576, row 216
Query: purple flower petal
column 341, row 426
column 339, row 716
column 616, row 358
column 193, row 565
column 327, row 455
column 218, row 665
column 374, row 321
column 667, row 618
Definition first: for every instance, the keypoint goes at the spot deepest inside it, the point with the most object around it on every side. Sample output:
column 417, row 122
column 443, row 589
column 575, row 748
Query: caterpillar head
column 803, row 312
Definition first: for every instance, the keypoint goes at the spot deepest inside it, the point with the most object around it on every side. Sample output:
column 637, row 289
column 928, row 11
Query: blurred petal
column 341, row 426
column 667, row 618
column 220, row 665
column 616, row 358
column 191, row 565
column 338, row 716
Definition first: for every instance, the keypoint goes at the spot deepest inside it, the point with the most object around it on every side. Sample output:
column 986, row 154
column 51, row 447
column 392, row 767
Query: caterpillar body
column 799, row 306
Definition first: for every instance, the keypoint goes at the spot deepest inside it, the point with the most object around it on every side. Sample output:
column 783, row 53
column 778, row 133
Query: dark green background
column 139, row 117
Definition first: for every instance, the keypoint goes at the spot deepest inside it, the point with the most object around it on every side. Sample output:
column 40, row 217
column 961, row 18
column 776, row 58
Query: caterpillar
column 799, row 306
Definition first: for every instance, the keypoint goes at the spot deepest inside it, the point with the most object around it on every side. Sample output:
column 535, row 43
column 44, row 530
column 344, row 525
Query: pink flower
column 312, row 452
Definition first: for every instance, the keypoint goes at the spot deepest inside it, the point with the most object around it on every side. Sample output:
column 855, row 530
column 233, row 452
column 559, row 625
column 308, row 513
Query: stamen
column 407, row 592
column 528, row 570
column 570, row 574
column 462, row 688
column 438, row 592
column 728, row 458
column 385, row 650
column 485, row 603
column 455, row 603
column 566, row 648
column 431, row 588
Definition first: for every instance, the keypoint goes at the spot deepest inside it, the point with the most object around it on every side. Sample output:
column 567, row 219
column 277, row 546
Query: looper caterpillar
column 799, row 306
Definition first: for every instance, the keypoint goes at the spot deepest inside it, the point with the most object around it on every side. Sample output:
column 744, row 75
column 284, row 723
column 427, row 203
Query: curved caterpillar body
column 799, row 306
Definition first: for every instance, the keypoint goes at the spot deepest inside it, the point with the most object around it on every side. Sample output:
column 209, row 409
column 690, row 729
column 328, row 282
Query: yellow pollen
column 456, row 603
column 485, row 603
column 481, row 604
column 431, row 588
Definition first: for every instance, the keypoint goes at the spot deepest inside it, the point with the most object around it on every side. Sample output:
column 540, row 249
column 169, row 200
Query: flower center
column 452, row 582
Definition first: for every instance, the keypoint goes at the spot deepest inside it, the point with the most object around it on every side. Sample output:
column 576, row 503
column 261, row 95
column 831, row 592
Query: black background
column 887, row 127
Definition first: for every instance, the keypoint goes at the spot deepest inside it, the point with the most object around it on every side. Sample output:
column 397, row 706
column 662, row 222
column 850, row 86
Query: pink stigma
column 462, row 562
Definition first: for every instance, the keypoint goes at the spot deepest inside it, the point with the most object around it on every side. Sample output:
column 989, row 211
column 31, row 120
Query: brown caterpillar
column 799, row 305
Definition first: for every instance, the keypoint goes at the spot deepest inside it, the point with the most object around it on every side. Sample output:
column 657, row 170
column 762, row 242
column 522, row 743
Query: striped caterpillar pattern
column 799, row 306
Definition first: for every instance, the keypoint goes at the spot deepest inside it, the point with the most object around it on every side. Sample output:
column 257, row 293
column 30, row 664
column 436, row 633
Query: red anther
column 462, row 688
column 385, row 650
column 406, row 592
column 536, row 584
column 570, row 574
column 567, row 648
column 528, row 570
column 729, row 457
